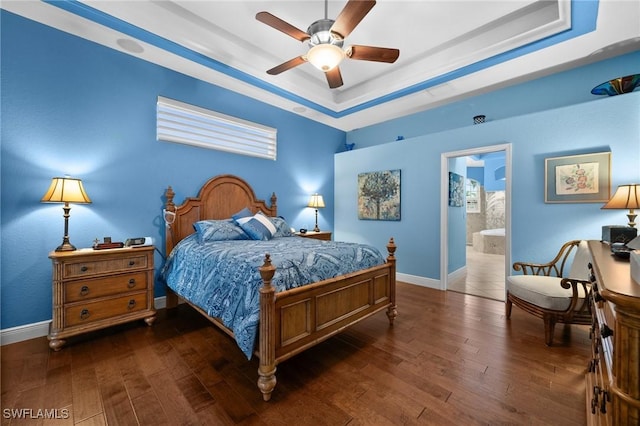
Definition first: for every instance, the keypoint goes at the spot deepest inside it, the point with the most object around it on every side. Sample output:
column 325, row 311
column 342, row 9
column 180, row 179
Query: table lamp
column 316, row 202
column 66, row 190
column 626, row 197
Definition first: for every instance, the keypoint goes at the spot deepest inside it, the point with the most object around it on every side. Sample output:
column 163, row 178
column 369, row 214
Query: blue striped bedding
column 222, row 277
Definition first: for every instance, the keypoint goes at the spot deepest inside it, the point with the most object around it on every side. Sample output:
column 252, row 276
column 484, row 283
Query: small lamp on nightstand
column 66, row 190
column 316, row 202
column 627, row 197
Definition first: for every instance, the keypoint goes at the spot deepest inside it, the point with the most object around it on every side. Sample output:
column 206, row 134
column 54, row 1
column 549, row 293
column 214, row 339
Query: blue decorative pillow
column 258, row 227
column 242, row 216
column 219, row 230
column 282, row 227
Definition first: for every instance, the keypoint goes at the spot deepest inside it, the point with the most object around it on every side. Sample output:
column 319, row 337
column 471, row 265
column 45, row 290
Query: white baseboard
column 457, row 274
column 40, row 329
column 418, row 280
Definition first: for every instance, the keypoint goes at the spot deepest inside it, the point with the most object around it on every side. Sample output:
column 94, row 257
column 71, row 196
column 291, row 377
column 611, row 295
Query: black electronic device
column 138, row 241
column 303, row 230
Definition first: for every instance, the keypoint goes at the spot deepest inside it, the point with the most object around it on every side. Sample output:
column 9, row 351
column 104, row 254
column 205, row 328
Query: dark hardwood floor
column 450, row 359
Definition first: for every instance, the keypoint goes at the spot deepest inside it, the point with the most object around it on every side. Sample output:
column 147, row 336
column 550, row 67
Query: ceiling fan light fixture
column 325, row 57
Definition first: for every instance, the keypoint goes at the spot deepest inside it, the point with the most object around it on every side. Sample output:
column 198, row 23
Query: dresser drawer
column 98, row 287
column 85, row 313
column 87, row 267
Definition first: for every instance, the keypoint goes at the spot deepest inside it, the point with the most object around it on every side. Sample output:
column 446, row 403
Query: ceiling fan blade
column 334, row 78
column 351, row 15
column 370, row 53
column 280, row 25
column 287, row 65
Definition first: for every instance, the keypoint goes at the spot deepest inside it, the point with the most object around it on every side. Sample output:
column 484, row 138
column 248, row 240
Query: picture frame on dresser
column 584, row 178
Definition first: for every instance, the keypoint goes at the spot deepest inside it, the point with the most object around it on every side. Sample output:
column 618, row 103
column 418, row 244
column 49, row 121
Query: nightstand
column 322, row 235
column 94, row 289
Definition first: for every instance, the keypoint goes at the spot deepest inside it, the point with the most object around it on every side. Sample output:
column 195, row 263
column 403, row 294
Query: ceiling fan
column 326, row 37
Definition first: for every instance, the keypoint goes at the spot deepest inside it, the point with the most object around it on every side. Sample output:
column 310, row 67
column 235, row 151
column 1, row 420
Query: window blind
column 191, row 125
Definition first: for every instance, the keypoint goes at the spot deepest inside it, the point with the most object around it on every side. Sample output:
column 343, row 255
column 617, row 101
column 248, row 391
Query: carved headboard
column 219, row 198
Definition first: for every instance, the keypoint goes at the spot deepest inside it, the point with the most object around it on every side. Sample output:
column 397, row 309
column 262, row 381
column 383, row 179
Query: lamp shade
column 325, row 57
column 316, row 201
column 625, row 197
column 66, row 190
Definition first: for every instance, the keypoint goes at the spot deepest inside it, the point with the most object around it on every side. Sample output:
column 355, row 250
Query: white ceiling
column 449, row 49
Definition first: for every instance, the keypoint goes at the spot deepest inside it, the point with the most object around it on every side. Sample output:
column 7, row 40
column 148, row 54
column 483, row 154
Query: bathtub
column 489, row 241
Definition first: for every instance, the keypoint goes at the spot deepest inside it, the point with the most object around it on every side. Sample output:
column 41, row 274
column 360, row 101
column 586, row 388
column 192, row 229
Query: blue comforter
column 222, row 277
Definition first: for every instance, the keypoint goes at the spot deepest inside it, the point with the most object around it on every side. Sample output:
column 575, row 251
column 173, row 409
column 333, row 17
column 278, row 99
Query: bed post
column 392, row 311
column 274, row 204
column 171, row 299
column 267, row 348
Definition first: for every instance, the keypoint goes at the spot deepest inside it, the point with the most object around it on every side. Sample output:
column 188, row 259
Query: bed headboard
column 219, row 198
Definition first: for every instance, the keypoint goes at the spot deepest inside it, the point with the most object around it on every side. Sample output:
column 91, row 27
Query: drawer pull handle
column 84, row 314
column 132, row 304
column 132, row 283
column 84, row 290
column 594, row 399
column 132, row 263
column 84, row 269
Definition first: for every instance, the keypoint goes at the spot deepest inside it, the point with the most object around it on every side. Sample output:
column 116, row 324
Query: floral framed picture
column 584, row 178
column 456, row 190
column 379, row 195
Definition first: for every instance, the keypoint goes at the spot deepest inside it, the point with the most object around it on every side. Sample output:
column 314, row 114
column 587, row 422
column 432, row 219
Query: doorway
column 480, row 266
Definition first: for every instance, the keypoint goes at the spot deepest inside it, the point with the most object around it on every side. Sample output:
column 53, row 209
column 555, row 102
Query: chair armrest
column 536, row 268
column 573, row 284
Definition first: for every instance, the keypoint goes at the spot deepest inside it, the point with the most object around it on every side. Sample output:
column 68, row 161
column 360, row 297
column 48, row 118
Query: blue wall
column 70, row 106
column 538, row 229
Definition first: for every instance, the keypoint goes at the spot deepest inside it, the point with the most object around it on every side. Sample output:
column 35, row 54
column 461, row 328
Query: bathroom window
column 473, row 196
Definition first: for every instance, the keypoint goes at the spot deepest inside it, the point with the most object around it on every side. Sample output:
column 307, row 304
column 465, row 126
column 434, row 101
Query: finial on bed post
column 392, row 311
column 267, row 346
column 391, row 248
column 169, row 194
column 274, row 204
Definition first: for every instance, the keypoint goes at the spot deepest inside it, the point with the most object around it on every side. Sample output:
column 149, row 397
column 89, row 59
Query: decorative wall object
column 473, row 196
column 456, row 190
column 618, row 86
column 582, row 178
column 379, row 195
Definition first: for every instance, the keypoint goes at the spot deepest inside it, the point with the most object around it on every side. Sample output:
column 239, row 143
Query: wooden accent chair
column 544, row 291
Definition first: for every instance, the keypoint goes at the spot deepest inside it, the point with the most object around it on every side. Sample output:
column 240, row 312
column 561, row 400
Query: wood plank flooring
column 450, row 359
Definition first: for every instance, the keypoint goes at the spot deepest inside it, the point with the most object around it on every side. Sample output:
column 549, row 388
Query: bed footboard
column 298, row 319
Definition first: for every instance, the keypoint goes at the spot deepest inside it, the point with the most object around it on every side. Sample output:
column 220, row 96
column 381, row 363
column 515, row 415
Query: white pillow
column 258, row 227
column 579, row 267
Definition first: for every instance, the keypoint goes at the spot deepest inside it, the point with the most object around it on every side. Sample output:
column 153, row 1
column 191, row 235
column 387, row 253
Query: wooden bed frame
column 293, row 320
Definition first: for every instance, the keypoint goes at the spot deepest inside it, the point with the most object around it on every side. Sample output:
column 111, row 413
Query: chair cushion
column 545, row 292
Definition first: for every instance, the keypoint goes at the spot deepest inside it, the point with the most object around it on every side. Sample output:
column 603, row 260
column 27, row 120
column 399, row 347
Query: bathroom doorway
column 475, row 259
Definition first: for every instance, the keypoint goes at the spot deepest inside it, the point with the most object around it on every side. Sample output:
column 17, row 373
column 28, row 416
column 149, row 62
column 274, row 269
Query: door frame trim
column 444, row 204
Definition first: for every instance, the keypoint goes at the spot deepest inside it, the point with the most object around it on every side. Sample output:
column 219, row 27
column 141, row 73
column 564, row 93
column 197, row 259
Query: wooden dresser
column 613, row 377
column 320, row 235
column 94, row 289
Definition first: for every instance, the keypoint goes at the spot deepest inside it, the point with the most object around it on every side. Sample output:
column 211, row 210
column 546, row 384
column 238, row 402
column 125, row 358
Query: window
column 473, row 196
column 191, row 125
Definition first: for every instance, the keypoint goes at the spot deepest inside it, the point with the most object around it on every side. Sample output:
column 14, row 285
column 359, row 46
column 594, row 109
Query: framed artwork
column 379, row 195
column 456, row 190
column 582, row 178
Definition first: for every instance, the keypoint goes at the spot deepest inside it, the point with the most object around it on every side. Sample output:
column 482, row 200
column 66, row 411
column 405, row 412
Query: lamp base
column 66, row 245
column 632, row 218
